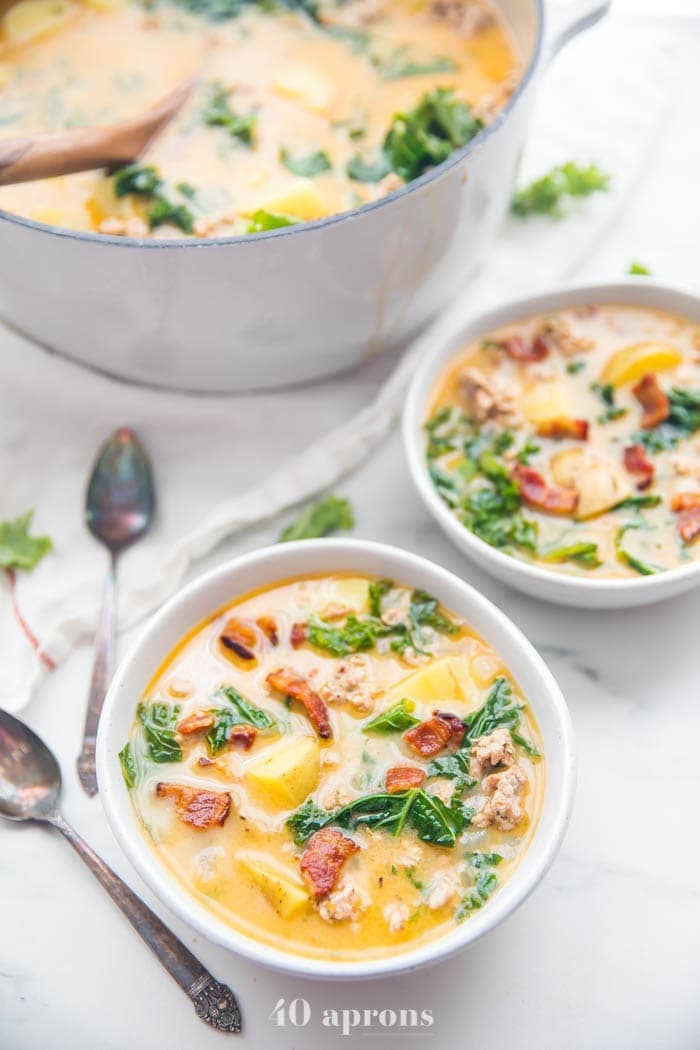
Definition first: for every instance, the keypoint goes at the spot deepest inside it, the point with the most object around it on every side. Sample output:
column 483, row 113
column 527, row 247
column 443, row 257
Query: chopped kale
column 361, row 170
column 544, row 196
column 583, row 553
column 268, row 220
column 164, row 211
column 638, row 502
column 420, row 138
column 683, row 420
column 623, row 556
column 159, row 721
column 499, row 709
column 218, row 113
column 142, row 180
column 307, row 166
column 331, row 514
column 397, row 65
column 453, row 767
column 395, row 719
column 574, row 367
column 431, row 819
column 485, row 882
column 128, row 765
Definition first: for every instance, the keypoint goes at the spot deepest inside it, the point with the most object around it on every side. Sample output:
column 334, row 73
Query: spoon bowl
column 120, row 499
column 30, row 777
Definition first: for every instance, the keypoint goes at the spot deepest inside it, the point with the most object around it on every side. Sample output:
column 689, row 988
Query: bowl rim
column 632, row 291
column 432, row 175
column 559, row 790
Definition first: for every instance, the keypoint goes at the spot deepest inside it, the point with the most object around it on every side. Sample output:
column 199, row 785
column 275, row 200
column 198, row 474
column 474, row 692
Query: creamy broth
column 281, row 87
column 589, row 420
column 396, row 887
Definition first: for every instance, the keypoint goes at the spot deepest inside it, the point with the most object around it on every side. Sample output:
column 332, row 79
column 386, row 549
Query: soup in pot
column 573, row 440
column 302, row 109
column 336, row 766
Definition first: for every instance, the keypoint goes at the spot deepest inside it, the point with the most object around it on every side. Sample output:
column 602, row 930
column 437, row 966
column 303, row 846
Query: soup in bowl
column 339, row 772
column 568, row 438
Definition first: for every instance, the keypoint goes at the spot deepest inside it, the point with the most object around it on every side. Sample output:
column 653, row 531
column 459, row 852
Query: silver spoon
column 30, row 783
column 119, row 508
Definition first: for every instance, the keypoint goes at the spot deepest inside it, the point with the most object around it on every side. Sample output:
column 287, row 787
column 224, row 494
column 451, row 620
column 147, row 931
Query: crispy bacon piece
column 327, row 851
column 564, row 427
column 401, row 778
column 521, row 350
column 457, row 727
column 687, row 506
column 638, row 463
column 652, row 399
column 197, row 722
column 429, row 737
column 297, row 635
column 200, row 809
column 290, row 683
column 240, row 638
column 268, row 626
column 538, row 493
column 243, row 736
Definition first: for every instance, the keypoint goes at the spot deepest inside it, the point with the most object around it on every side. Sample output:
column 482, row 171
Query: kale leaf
column 218, row 113
column 269, row 220
column 420, row 138
column 623, row 556
column 159, row 721
column 331, row 514
column 307, row 166
column 241, row 712
column 144, row 181
column 638, row 269
column 431, row 819
column 544, row 196
column 395, row 719
column 128, row 765
column 583, row 553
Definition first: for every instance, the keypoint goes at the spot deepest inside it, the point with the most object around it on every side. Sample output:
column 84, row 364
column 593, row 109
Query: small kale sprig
column 218, row 113
column 545, row 195
column 485, row 882
column 330, row 514
column 159, row 721
column 241, row 712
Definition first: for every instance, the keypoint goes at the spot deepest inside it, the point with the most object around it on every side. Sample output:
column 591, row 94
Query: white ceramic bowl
column 268, row 566
column 540, row 582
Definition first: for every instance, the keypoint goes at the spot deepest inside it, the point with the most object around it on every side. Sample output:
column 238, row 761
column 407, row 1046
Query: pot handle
column 565, row 21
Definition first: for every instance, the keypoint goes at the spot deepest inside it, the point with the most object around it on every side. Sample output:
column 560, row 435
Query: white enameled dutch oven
column 538, row 580
column 266, row 567
column 288, row 305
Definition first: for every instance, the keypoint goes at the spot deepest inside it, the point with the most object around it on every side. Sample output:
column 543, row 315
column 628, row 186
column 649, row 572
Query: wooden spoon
column 83, row 149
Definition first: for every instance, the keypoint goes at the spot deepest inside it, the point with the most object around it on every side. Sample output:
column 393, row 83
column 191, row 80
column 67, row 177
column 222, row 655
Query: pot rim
column 317, row 224
column 313, row 557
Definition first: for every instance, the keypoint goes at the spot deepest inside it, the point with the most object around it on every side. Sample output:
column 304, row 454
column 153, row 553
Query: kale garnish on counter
column 545, row 196
column 328, row 515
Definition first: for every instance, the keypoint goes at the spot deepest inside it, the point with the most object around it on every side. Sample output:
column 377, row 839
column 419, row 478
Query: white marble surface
column 605, row 953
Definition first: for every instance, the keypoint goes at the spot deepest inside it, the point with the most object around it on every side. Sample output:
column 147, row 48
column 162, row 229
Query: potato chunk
column 306, row 85
column 547, row 401
column 285, row 893
column 600, row 483
column 286, row 773
column 350, row 592
column 632, row 362
column 446, row 680
column 301, row 200
column 30, row 19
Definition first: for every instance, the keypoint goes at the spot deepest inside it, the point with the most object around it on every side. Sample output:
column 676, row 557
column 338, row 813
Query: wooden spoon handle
column 83, row 149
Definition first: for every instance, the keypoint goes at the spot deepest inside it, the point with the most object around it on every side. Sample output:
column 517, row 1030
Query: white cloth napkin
column 224, row 464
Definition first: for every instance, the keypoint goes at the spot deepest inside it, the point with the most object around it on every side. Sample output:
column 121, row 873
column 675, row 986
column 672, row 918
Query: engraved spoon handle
column 214, row 1003
column 102, row 669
